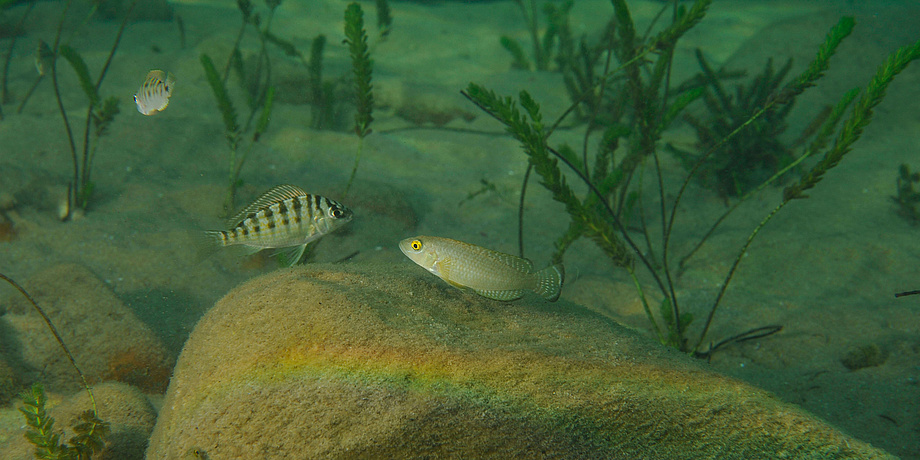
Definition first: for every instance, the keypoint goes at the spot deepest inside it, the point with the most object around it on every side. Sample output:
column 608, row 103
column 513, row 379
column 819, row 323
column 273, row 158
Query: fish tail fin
column 549, row 282
column 207, row 243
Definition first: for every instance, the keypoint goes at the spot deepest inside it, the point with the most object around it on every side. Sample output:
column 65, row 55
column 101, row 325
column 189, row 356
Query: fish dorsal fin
column 515, row 262
column 276, row 194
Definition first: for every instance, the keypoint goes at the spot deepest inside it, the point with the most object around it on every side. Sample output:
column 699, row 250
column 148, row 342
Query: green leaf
column 517, row 52
column 356, row 38
column 285, row 46
column 220, row 95
column 262, row 125
column 79, row 66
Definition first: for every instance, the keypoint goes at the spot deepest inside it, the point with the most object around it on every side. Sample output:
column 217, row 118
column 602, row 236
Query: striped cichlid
column 489, row 273
column 283, row 217
column 153, row 97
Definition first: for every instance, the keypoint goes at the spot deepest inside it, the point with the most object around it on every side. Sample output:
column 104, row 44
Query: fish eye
column 337, row 212
column 415, row 245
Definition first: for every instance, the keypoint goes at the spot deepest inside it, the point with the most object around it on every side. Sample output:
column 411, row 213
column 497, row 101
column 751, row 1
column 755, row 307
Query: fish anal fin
column 454, row 284
column 503, row 296
column 274, row 195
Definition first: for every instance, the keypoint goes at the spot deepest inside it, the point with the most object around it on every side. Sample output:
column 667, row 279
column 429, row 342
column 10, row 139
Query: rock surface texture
column 381, row 361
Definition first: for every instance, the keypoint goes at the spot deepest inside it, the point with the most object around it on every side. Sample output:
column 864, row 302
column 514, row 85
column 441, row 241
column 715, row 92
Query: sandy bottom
column 825, row 268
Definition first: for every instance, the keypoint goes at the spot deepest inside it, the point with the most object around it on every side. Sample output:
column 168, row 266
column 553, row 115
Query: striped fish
column 153, row 97
column 283, row 217
column 489, row 273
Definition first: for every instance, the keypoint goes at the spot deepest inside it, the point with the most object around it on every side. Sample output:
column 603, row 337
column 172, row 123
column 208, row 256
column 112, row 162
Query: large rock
column 107, row 340
column 378, row 361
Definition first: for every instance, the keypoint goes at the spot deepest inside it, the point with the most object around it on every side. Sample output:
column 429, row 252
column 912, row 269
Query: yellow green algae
column 368, row 361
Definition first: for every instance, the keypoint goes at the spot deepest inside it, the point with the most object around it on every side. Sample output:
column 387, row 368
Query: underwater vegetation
column 258, row 90
column 752, row 155
column 362, row 67
column 908, row 197
column 543, row 46
column 100, row 112
column 88, row 440
column 90, row 430
column 630, row 102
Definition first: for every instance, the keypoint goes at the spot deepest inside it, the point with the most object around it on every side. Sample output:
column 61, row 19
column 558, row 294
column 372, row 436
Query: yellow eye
column 415, row 245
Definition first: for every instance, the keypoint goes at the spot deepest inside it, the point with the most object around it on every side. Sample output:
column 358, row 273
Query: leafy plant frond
column 860, row 118
column 90, row 430
column 384, row 17
column 362, row 68
column 82, row 71
column 221, row 97
column 356, row 38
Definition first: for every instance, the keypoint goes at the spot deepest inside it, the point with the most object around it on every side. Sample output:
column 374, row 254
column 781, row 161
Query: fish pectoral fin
column 504, row 296
column 293, row 254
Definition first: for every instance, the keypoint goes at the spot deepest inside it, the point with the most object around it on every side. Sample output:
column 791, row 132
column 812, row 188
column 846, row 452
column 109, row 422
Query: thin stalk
column 57, row 336
column 731, row 273
column 521, row 210
column 87, row 153
column 648, row 311
column 57, row 96
column 231, row 188
column 354, row 168
column 819, row 142
column 4, row 91
column 28, row 95
column 236, row 46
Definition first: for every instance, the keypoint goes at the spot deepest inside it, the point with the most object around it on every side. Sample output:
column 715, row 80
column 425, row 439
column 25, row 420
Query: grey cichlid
column 283, row 217
column 489, row 273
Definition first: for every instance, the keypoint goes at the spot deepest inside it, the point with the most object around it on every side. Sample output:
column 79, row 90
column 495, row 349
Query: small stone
column 860, row 357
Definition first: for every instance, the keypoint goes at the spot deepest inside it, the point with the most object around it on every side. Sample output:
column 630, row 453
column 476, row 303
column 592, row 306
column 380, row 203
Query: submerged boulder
column 377, row 361
column 108, row 341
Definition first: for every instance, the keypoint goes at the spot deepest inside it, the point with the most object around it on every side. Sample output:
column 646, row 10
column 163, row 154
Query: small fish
column 283, row 217
column 153, row 97
column 488, row 273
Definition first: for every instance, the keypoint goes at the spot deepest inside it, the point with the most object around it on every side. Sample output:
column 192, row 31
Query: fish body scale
column 482, row 269
column 287, row 223
column 284, row 216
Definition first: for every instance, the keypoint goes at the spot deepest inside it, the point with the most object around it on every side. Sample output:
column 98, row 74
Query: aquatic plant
column 603, row 214
column 4, row 89
column 181, row 26
column 542, row 45
column 99, row 113
column 257, row 86
column 384, row 18
column 757, row 152
column 362, row 67
column 88, row 440
column 233, row 130
column 90, row 431
column 908, row 197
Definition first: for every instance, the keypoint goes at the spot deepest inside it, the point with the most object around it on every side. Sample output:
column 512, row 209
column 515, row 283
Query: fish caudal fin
column 206, row 244
column 549, row 282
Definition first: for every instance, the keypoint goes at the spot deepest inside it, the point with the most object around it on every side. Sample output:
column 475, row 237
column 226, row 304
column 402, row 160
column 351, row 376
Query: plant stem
column 57, row 336
column 354, row 169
